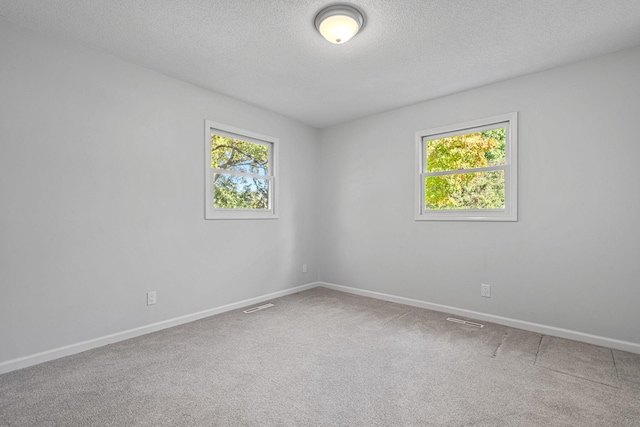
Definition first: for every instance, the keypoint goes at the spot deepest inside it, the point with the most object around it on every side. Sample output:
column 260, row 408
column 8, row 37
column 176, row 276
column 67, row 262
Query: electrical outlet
column 151, row 298
column 485, row 290
column 304, row 268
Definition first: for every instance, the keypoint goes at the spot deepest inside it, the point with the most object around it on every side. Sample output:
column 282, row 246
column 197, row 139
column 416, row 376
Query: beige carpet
column 326, row 358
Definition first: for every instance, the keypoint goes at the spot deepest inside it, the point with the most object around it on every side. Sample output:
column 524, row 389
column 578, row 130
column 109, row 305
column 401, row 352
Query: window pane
column 480, row 190
column 466, row 151
column 238, row 155
column 240, row 192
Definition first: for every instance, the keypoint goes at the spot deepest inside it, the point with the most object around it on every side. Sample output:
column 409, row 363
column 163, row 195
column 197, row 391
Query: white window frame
column 215, row 128
column 510, row 211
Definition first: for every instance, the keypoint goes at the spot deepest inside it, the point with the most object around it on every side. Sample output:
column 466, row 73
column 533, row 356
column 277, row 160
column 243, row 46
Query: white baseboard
column 515, row 323
column 56, row 353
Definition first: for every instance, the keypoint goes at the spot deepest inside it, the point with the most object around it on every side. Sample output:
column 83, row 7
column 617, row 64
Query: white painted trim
column 56, row 353
column 510, row 213
column 515, row 323
column 68, row 350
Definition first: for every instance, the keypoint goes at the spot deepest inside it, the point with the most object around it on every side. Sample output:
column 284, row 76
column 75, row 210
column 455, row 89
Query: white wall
column 571, row 261
column 102, row 199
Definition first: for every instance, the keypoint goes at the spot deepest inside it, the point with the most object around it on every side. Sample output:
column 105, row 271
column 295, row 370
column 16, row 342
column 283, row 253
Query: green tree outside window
column 241, row 180
column 457, row 189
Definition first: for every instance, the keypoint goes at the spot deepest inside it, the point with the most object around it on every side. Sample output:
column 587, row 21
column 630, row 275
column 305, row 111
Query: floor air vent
column 260, row 307
column 465, row 322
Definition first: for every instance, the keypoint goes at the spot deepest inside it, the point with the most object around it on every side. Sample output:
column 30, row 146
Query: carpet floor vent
column 260, row 307
column 465, row 322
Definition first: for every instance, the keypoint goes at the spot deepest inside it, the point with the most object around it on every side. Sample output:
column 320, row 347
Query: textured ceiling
column 268, row 53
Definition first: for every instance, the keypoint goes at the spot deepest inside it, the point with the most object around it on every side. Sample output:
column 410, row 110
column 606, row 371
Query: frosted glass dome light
column 338, row 23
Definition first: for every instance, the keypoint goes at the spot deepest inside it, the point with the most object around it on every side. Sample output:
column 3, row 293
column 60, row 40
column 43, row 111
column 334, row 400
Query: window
column 241, row 178
column 468, row 172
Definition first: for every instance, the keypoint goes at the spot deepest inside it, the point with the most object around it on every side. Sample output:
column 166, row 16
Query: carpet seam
column 581, row 378
column 615, row 365
column 497, row 350
column 535, row 362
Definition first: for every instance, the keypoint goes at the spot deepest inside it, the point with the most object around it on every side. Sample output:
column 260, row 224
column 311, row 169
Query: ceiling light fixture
column 339, row 22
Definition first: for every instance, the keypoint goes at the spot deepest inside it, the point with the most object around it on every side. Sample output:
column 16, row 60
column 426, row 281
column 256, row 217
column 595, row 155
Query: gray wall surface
column 102, row 194
column 571, row 261
column 102, row 200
